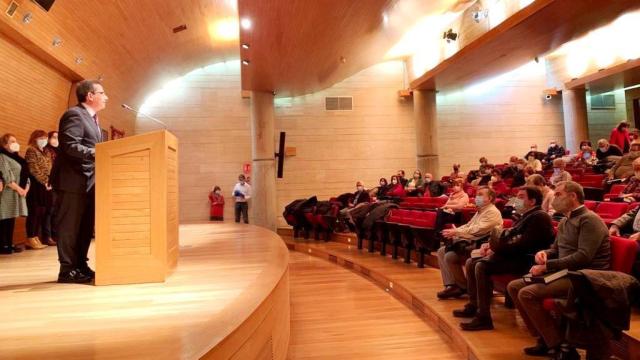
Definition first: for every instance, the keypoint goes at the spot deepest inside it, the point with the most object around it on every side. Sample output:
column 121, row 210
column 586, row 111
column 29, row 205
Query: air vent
column 11, row 10
column 338, row 103
column 603, row 102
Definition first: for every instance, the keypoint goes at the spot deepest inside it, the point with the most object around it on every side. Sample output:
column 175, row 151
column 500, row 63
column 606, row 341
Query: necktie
column 95, row 119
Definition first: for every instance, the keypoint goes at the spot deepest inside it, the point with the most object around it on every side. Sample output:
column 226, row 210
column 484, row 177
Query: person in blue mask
column 460, row 241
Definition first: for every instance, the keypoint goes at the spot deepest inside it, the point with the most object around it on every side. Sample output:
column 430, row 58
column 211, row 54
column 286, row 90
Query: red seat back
column 617, row 189
column 591, row 204
column 507, row 223
column 623, row 254
column 611, row 210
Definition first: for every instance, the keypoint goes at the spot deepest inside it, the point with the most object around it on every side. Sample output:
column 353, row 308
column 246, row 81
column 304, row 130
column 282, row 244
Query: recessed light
column 245, row 23
column 245, row 62
column 245, row 46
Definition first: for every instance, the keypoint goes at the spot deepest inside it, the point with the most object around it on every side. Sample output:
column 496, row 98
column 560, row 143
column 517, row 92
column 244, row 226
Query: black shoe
column 567, row 354
column 86, row 270
column 478, row 323
column 451, row 292
column 540, row 349
column 73, row 277
column 469, row 310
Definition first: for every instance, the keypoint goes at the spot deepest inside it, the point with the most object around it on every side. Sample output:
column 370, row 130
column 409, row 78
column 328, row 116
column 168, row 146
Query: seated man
column 623, row 167
column 359, row 197
column 605, row 150
column 462, row 239
column 628, row 225
column 554, row 151
column 508, row 252
column 432, row 188
column 631, row 192
column 538, row 155
column 515, row 172
column 582, row 242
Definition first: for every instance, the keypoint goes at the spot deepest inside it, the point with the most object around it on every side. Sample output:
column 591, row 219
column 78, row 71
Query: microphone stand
column 125, row 106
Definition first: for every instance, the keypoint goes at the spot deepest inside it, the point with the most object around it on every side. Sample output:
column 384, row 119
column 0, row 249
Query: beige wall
column 496, row 119
column 334, row 149
column 601, row 121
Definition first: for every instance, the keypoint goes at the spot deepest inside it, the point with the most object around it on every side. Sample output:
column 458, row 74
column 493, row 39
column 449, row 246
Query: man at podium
column 73, row 179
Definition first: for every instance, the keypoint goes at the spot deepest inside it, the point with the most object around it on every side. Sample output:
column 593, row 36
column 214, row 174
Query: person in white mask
column 13, row 197
column 559, row 173
column 510, row 251
column 39, row 162
column 460, row 241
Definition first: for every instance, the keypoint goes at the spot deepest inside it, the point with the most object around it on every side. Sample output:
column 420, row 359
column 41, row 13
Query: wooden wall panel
column 602, row 121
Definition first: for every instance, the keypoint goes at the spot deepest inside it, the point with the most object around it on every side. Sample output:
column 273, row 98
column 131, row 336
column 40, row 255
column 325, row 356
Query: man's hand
column 537, row 270
column 449, row 233
column 541, row 258
column 635, row 236
column 614, row 230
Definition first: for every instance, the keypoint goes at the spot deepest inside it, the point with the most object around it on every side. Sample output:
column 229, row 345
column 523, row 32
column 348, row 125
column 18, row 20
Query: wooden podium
column 136, row 208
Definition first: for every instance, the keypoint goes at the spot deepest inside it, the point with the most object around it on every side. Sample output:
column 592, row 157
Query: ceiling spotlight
column 343, row 59
column 56, row 42
column 245, row 46
column 245, row 62
column 480, row 14
column 27, row 18
column 245, row 23
column 450, row 36
column 79, row 60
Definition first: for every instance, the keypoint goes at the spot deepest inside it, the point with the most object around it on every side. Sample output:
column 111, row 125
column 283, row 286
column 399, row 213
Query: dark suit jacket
column 78, row 134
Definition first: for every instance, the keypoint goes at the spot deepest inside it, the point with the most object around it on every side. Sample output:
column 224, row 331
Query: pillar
column 263, row 169
column 424, row 112
column 576, row 127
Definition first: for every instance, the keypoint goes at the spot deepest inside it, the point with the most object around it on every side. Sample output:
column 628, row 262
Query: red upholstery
column 507, row 223
column 614, row 191
column 591, row 204
column 425, row 219
column 610, row 211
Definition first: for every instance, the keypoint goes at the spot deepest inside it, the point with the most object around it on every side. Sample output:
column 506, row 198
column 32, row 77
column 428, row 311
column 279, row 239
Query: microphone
column 125, row 106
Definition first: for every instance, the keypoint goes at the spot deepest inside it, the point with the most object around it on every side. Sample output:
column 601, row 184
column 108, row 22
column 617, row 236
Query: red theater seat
column 614, row 192
column 609, row 211
column 590, row 204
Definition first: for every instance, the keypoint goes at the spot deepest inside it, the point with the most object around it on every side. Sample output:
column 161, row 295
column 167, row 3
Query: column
column 424, row 112
column 263, row 170
column 576, row 127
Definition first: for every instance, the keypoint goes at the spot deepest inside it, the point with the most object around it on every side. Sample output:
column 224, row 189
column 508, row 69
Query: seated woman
column 484, row 164
column 414, row 185
column 586, row 156
column 458, row 200
column 456, row 174
column 559, row 173
column 380, row 192
column 631, row 192
column 396, row 190
column 534, row 163
column 498, row 185
column 538, row 181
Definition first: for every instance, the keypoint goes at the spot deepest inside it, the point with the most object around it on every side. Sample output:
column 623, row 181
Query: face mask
column 586, row 155
column 518, row 204
column 54, row 143
column 394, row 182
column 479, row 201
column 241, row 182
column 534, row 149
column 427, row 180
column 360, row 188
column 383, row 184
column 520, row 166
column 14, row 147
column 552, row 145
column 41, row 143
column 556, row 171
column 217, row 192
column 493, row 178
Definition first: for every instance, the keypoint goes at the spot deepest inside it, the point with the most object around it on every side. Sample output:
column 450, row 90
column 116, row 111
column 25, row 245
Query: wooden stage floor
column 231, row 281
column 417, row 289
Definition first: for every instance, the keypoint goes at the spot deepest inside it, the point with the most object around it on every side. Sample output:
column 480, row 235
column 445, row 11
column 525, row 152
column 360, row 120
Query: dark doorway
column 636, row 112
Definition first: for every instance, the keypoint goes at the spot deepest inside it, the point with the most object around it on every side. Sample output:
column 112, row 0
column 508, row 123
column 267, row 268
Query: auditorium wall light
column 245, row 46
column 245, row 62
column 525, row 3
column 246, row 23
column 224, row 30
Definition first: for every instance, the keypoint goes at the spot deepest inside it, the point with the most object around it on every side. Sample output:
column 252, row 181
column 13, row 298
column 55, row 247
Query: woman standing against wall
column 13, row 197
column 39, row 164
column 216, row 212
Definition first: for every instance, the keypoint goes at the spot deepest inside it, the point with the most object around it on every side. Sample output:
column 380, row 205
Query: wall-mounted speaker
column 45, row 4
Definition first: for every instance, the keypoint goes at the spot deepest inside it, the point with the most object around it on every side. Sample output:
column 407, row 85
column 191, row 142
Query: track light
column 245, row 62
column 480, row 15
column 245, row 46
column 450, row 36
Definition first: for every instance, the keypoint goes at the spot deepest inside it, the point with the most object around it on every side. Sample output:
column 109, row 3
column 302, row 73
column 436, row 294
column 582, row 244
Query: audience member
column 538, row 155
column 628, row 225
column 605, row 150
column 73, row 179
column 624, row 167
column 582, row 242
column 484, row 165
column 13, row 197
column 586, row 156
column 620, row 137
column 216, row 210
column 631, row 192
column 534, row 163
column 458, row 200
column 460, row 241
column 498, row 185
column 514, row 171
column 528, row 171
column 241, row 194
column 555, row 151
column 433, row 188
column 559, row 173
column 39, row 164
column 51, row 150
column 510, row 251
column 396, row 189
column 538, row 181
column 381, row 190
column 456, row 174
column 401, row 178
column 415, row 184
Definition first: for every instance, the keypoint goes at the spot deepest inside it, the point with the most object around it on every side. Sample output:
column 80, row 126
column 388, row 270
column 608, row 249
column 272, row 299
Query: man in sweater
column 582, row 242
column 510, row 251
column 460, row 240
column 241, row 194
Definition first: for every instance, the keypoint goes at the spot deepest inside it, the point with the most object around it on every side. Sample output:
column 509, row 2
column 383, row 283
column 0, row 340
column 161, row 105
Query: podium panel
column 136, row 209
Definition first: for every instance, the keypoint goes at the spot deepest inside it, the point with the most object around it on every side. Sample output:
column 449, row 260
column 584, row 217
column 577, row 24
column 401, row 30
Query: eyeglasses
column 98, row 92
